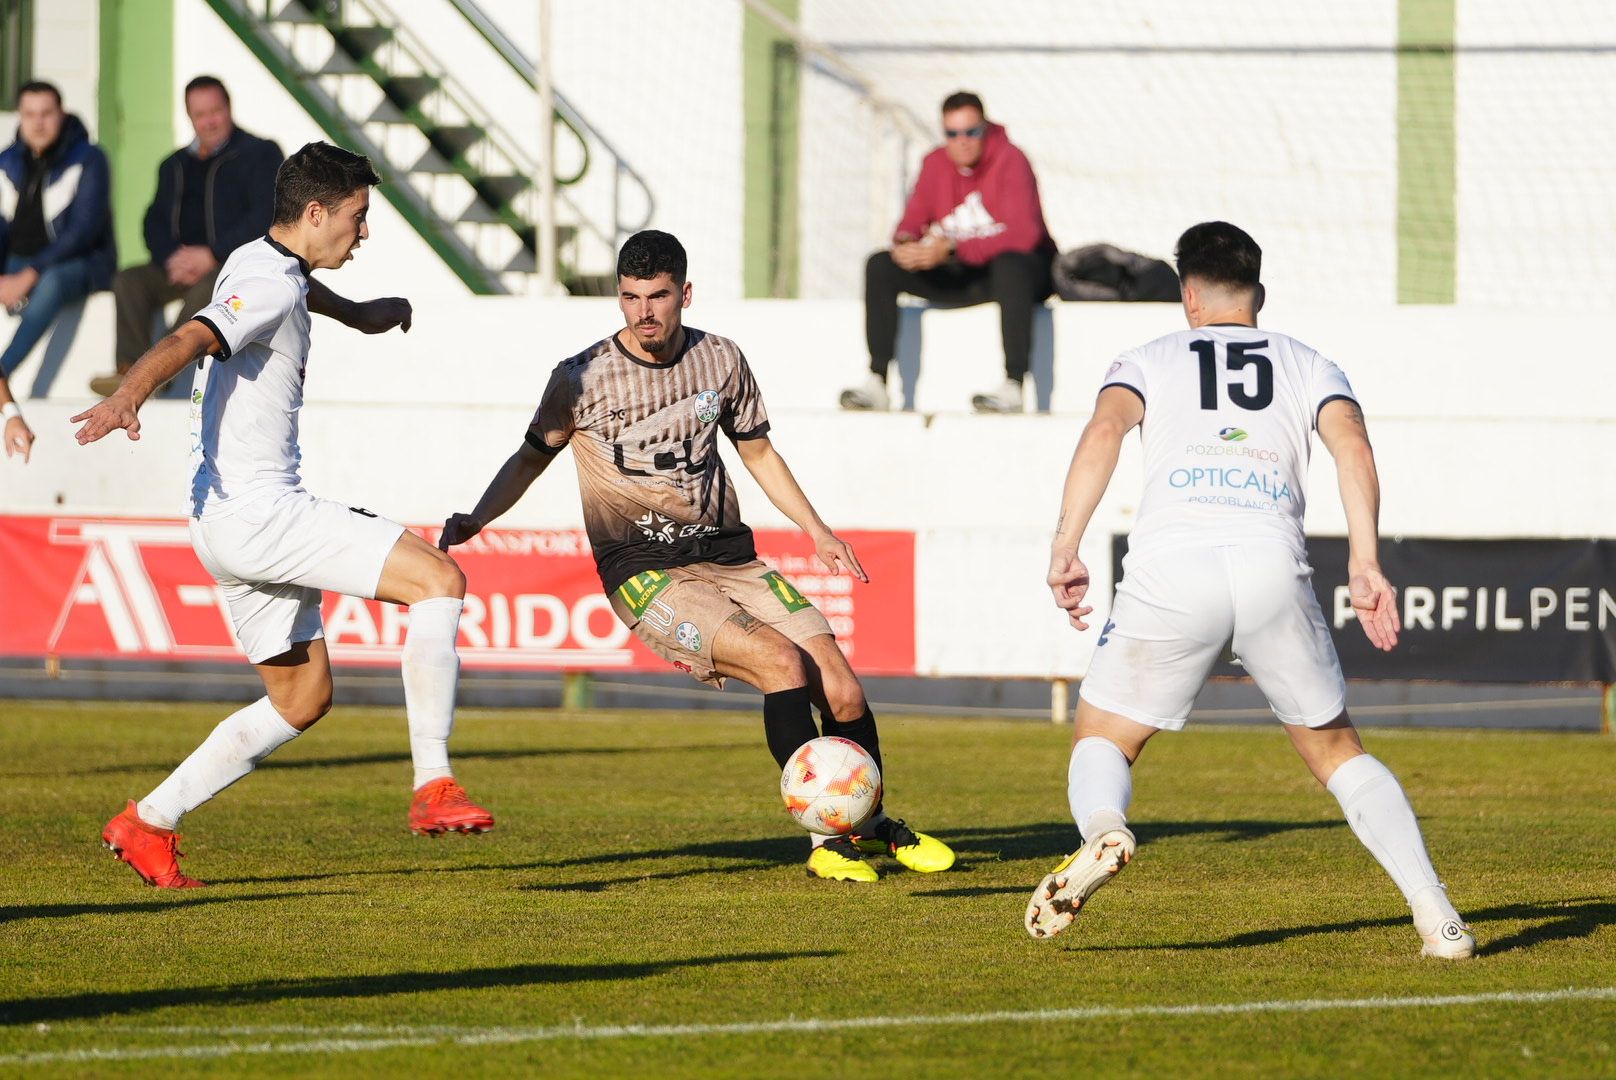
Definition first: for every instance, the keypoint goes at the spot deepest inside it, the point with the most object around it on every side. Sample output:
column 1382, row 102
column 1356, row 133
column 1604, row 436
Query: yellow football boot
column 915, row 850
column 837, row 859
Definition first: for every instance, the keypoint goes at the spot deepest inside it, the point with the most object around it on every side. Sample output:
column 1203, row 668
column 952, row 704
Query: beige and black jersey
column 655, row 492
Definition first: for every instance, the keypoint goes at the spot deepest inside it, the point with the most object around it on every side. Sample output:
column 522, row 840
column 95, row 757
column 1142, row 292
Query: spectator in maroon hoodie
column 973, row 232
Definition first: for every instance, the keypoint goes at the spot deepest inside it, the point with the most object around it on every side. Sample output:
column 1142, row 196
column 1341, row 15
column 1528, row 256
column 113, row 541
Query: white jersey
column 244, row 404
column 1229, row 413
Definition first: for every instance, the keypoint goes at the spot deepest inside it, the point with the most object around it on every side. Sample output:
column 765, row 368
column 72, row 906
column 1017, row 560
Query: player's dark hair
column 1219, row 254
column 651, row 252
column 39, row 86
column 963, row 99
column 321, row 173
column 206, row 82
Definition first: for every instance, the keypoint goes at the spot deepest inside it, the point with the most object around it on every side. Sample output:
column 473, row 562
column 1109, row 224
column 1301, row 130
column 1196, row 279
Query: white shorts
column 1173, row 616
column 274, row 556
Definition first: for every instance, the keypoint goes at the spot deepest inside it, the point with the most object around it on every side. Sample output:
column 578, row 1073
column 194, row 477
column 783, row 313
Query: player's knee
column 447, row 579
column 846, row 699
column 306, row 706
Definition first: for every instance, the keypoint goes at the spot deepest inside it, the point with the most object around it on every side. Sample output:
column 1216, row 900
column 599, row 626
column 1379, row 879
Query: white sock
column 1383, row 821
column 431, row 668
column 231, row 751
column 1099, row 786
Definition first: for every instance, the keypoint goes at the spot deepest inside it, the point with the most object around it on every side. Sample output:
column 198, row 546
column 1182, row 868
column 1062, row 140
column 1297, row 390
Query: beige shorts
column 678, row 612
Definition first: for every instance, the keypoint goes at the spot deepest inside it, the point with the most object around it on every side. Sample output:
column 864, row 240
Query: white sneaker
column 1445, row 934
column 1006, row 399
column 1056, row 901
column 871, row 397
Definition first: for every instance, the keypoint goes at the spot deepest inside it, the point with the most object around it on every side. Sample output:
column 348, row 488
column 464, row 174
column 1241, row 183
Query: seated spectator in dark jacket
column 55, row 219
column 973, row 232
column 212, row 196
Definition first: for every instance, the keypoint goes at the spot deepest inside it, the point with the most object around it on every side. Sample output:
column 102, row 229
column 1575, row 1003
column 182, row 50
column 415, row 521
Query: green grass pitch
column 641, row 909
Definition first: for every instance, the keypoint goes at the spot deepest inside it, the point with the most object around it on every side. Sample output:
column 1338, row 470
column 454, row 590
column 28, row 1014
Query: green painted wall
column 771, row 77
column 136, row 104
column 1427, row 223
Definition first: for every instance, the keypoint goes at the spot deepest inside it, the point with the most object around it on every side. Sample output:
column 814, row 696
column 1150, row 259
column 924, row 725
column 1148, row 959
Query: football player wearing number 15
column 642, row 410
column 1217, row 554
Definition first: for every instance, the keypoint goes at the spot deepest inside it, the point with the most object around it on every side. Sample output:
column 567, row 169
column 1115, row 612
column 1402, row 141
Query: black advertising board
column 1497, row 611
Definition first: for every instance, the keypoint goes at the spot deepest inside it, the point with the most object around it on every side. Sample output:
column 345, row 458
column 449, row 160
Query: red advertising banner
column 132, row 589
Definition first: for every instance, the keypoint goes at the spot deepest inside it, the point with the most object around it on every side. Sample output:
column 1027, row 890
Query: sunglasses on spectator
column 966, row 133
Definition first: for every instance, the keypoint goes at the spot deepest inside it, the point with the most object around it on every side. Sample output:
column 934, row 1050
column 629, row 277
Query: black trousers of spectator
column 140, row 292
column 1018, row 281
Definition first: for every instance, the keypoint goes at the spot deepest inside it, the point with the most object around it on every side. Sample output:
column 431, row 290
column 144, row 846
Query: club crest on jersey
column 707, row 407
column 688, row 637
column 1231, row 434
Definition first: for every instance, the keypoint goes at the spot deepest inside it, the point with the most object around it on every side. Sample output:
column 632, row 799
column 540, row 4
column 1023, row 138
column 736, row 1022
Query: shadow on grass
column 135, row 907
column 1564, row 920
column 977, row 890
column 1048, row 840
column 1055, row 839
column 95, row 1005
column 402, row 757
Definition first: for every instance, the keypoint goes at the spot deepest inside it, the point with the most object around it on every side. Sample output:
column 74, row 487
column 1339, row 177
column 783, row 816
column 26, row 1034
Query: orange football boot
column 442, row 806
column 153, row 853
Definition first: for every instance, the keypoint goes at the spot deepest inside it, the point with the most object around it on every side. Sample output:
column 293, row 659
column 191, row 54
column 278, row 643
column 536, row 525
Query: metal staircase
column 454, row 172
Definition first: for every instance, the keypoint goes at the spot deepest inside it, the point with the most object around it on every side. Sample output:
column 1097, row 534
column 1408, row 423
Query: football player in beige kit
column 642, row 410
column 1216, row 556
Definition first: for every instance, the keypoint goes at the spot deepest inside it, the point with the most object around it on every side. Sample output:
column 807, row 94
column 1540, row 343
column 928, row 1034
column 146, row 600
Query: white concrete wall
column 1488, row 424
column 67, row 52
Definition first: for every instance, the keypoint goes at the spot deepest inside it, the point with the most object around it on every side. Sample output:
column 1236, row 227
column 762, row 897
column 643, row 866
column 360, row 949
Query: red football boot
column 153, row 853
column 442, row 806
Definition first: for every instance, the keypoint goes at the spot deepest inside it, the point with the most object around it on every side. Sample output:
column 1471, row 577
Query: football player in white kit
column 271, row 546
column 1216, row 557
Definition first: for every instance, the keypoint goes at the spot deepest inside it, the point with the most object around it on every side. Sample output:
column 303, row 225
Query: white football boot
column 1059, row 897
column 1445, row 934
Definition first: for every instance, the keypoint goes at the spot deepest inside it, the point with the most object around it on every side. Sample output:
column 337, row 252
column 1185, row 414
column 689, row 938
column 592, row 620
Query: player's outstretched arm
column 774, row 476
column 189, row 343
column 368, row 316
column 1116, row 412
column 508, row 485
column 1342, row 430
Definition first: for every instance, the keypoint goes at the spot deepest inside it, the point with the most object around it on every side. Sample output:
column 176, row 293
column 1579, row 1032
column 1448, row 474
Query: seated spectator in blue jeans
column 55, row 218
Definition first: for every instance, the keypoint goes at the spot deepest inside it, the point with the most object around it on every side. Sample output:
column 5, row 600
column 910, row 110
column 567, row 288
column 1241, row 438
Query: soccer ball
column 830, row 785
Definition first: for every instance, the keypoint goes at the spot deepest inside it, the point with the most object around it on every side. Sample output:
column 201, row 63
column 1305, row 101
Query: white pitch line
column 392, row 1037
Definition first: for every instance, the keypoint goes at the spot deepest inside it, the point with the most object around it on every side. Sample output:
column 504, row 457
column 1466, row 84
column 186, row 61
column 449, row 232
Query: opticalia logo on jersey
column 1236, row 479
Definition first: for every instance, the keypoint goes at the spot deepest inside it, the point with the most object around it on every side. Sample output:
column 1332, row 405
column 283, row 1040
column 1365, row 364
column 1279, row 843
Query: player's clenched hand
column 457, row 530
column 1374, row 601
column 837, row 555
column 380, row 316
column 106, row 417
column 1069, row 581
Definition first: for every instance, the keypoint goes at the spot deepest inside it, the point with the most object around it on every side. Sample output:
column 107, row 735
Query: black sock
column 861, row 731
column 788, row 722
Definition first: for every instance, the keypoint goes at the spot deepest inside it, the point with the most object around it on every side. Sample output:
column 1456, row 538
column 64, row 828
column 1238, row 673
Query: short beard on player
column 655, row 346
